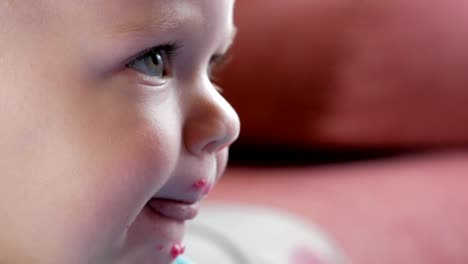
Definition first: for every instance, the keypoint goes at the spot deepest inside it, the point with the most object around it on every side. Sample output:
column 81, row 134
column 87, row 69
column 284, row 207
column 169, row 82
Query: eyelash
column 169, row 48
column 217, row 63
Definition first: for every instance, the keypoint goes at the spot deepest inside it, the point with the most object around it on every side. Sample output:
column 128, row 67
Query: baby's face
column 92, row 126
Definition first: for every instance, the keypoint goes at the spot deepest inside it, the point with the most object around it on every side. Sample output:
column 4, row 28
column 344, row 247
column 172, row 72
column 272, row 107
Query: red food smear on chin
column 177, row 250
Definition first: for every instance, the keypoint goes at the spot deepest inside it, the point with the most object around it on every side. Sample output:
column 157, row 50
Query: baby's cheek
column 112, row 185
column 100, row 220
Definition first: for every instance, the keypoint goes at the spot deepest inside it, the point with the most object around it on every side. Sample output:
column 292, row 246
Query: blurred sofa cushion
column 389, row 73
column 410, row 209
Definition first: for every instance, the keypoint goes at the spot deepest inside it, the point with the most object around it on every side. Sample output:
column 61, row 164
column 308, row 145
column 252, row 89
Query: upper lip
column 174, row 209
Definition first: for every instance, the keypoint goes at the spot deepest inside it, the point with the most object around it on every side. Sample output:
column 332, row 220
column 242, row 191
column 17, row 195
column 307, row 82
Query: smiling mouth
column 174, row 210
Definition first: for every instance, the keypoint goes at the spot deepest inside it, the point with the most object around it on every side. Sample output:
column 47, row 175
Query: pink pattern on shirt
column 305, row 256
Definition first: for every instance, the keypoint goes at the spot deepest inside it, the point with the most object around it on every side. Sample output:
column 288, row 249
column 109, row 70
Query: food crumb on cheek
column 203, row 186
column 200, row 184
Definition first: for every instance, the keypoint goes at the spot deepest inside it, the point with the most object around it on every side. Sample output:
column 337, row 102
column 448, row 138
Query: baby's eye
column 217, row 63
column 153, row 62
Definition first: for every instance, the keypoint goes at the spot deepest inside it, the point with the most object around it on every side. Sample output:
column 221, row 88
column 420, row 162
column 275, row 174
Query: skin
column 86, row 141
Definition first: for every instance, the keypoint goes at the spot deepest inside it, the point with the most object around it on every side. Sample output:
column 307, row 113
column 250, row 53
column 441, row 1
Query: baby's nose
column 211, row 122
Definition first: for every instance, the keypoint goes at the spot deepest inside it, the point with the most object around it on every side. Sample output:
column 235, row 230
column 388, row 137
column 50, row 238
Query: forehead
column 133, row 16
column 122, row 16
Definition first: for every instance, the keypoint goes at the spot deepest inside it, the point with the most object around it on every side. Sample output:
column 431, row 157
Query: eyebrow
column 165, row 21
column 143, row 27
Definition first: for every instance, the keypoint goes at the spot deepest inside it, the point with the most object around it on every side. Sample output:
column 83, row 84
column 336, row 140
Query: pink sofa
column 408, row 210
column 332, row 81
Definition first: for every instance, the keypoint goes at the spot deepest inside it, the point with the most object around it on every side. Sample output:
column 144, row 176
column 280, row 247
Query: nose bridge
column 211, row 122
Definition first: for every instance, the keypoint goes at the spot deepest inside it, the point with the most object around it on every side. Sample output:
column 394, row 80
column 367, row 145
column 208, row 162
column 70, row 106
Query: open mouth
column 174, row 210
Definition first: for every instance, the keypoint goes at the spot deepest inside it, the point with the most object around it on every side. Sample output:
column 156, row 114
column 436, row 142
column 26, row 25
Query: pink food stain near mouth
column 305, row 256
column 177, row 250
column 200, row 184
column 160, row 248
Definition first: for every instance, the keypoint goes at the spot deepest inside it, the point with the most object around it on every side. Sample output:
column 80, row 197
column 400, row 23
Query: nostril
column 227, row 134
column 215, row 146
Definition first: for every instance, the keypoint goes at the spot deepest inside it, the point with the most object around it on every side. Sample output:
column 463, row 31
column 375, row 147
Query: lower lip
column 177, row 211
column 160, row 227
column 158, row 218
